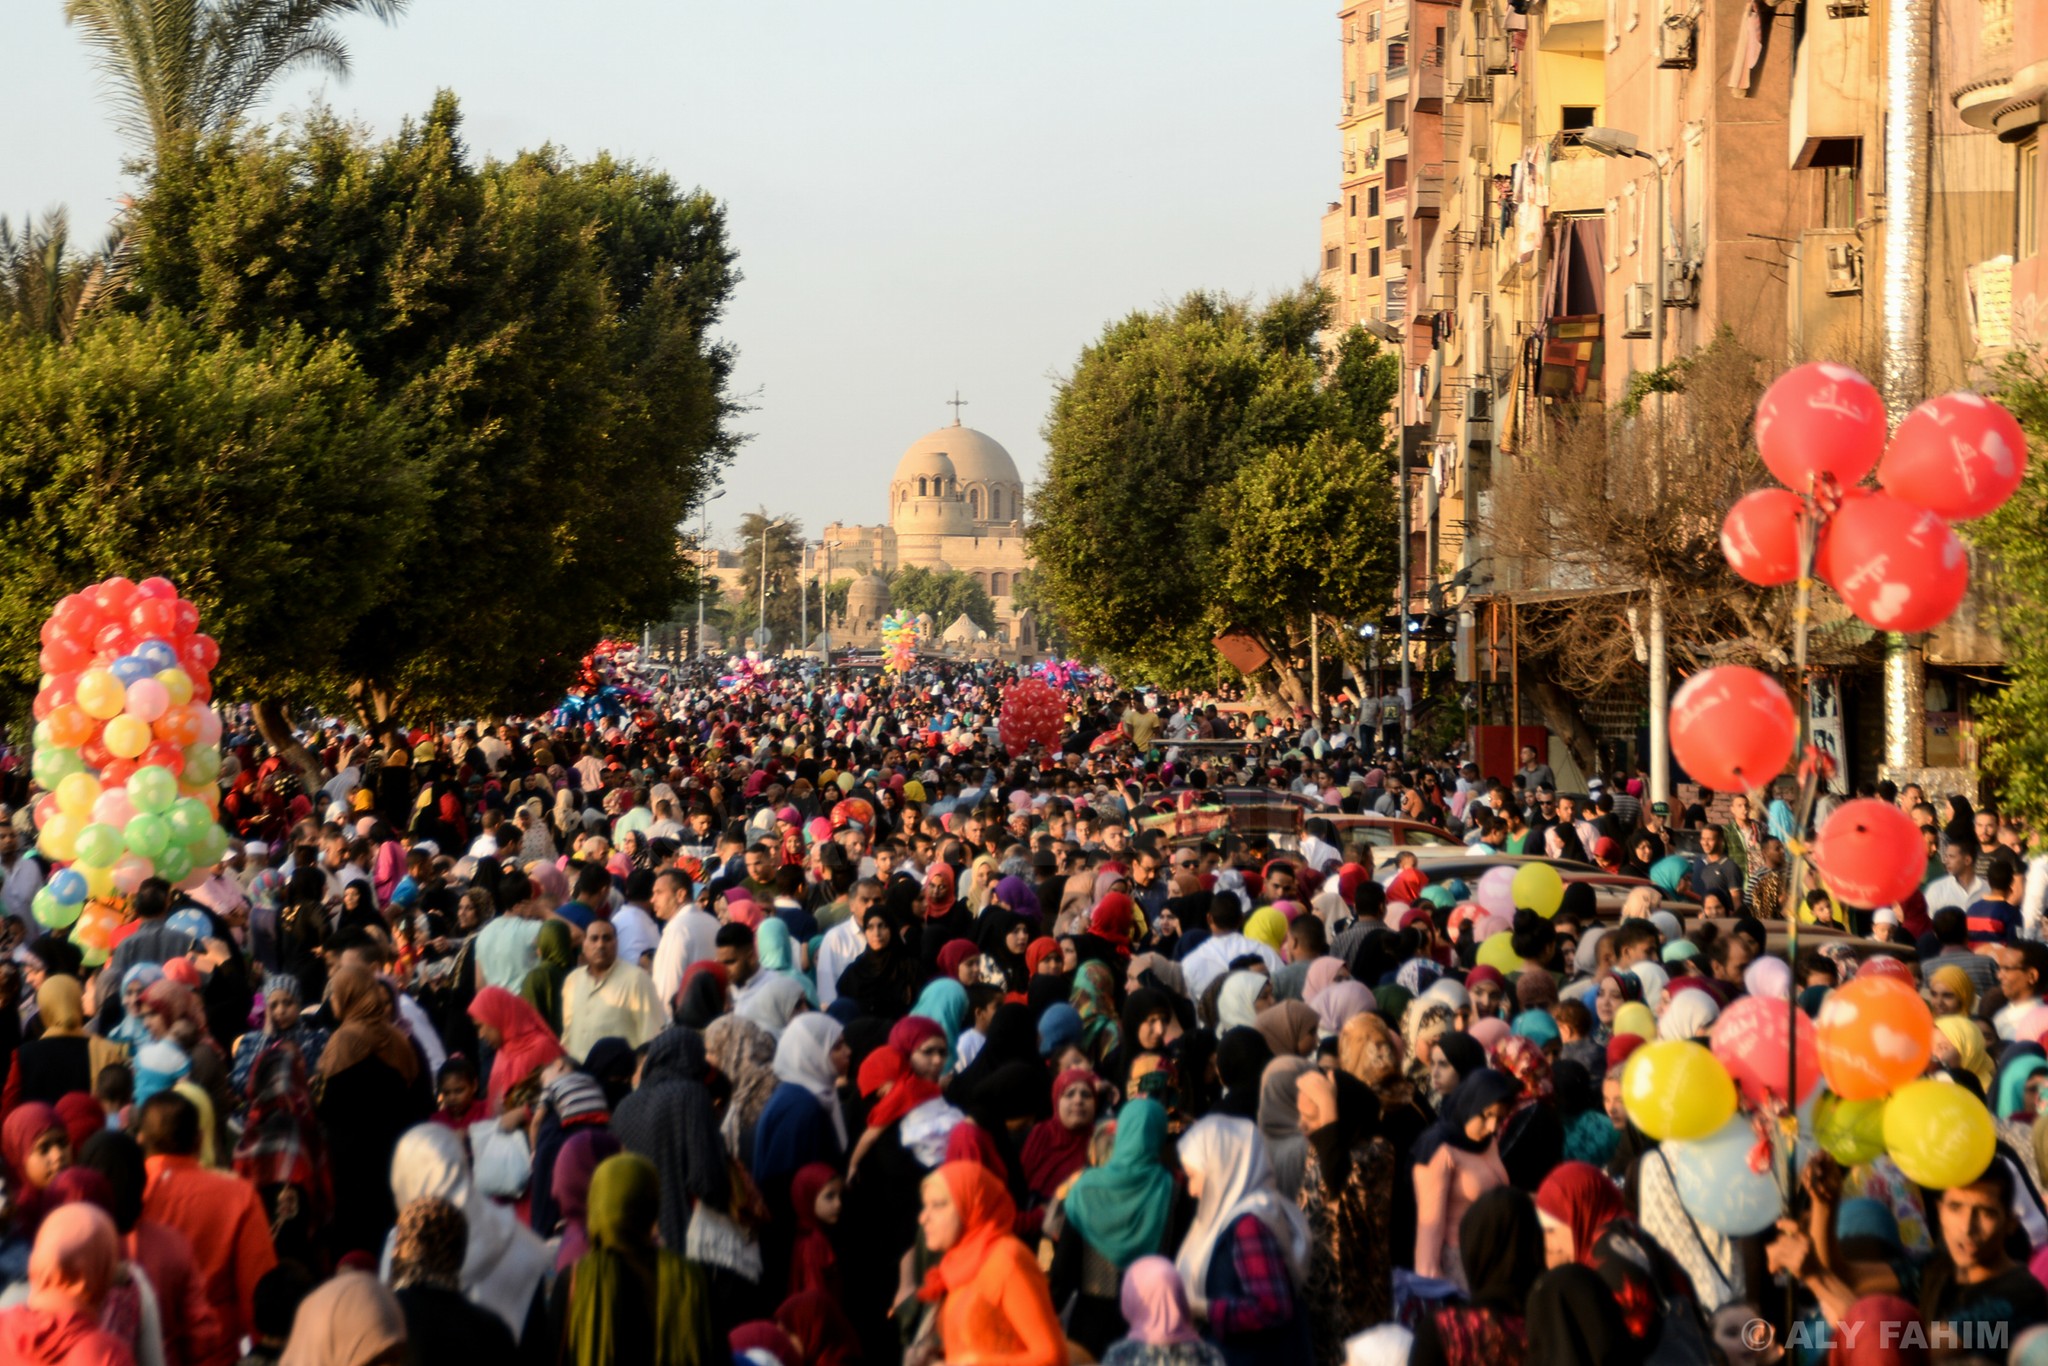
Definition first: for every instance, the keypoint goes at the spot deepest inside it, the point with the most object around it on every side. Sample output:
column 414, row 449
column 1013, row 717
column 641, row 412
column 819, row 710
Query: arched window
column 974, row 503
column 998, row 584
column 920, row 486
column 981, row 580
column 995, row 504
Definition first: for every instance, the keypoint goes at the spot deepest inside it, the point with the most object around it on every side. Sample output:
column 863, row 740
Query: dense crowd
column 791, row 1021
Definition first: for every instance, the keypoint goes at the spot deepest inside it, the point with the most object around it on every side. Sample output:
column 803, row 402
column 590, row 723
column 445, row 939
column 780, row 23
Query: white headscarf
column 1770, row 977
column 505, row 1261
column 771, row 1000
column 1654, row 980
column 1236, row 1003
column 1387, row 1345
column 1688, row 1015
column 1237, row 1179
column 803, row 1057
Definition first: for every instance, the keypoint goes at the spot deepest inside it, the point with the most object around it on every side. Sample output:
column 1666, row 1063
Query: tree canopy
column 943, row 597
column 1148, row 439
column 2015, row 721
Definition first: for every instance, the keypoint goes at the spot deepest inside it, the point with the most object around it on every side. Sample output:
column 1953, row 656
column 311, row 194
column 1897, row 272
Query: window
column 1838, row 198
column 2028, row 199
column 1397, row 54
column 1436, row 55
column 1331, row 258
column 1397, row 300
column 1397, row 114
column 1372, row 88
column 995, row 503
column 1575, row 116
column 1397, row 174
column 1372, row 201
column 1372, row 261
column 974, row 504
column 998, row 584
column 1354, row 263
column 1372, row 27
column 920, row 486
column 1354, row 206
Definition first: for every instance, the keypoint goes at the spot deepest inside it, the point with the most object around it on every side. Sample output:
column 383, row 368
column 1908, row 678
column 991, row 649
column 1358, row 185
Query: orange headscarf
column 987, row 1216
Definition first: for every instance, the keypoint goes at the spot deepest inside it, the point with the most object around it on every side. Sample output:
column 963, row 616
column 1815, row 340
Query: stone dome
column 930, row 463
column 973, row 457
column 867, row 596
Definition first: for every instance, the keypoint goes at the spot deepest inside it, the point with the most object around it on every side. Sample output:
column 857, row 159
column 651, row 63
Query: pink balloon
column 1869, row 853
column 112, row 807
column 148, row 700
column 1959, row 455
column 1732, row 728
column 1820, row 418
column 1749, row 1039
column 209, row 726
column 1897, row 566
column 1496, row 892
column 130, row 872
column 1760, row 536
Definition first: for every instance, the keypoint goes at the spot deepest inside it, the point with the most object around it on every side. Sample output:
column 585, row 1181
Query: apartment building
column 1746, row 190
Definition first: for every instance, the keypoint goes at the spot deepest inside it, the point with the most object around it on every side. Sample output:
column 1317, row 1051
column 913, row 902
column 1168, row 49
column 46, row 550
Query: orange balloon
column 1873, row 1036
column 179, row 725
column 70, row 727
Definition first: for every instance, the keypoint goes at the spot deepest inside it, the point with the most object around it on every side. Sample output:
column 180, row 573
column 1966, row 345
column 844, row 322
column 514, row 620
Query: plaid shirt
column 1268, row 1298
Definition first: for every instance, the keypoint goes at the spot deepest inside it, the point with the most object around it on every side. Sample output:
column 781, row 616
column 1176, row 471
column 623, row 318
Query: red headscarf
column 1579, row 1196
column 1876, row 1332
column 1407, row 886
column 18, row 1135
column 82, row 1117
column 1052, row 1151
column 969, row 1142
column 1112, row 920
column 907, row 1090
column 955, row 953
column 812, row 1263
column 987, row 1216
column 528, row 1044
column 820, row 1328
column 939, row 881
column 764, row 1336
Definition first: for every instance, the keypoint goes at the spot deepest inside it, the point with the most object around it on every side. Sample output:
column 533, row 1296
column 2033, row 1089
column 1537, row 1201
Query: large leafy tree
column 771, row 550
column 178, row 68
column 1147, row 439
column 943, row 597
column 47, row 286
column 537, row 331
column 2015, row 721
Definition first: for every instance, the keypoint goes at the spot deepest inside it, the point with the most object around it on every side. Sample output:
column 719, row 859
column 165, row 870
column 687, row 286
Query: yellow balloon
column 59, row 837
column 77, row 793
column 1538, row 888
column 1635, row 1018
column 125, row 737
column 1498, row 952
column 178, row 684
column 1677, row 1089
column 1939, row 1134
column 100, row 694
column 98, row 881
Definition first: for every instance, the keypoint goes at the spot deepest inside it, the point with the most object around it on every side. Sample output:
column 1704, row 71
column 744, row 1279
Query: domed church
column 956, row 501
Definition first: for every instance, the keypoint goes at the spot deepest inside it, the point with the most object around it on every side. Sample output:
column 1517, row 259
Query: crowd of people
column 789, row 1021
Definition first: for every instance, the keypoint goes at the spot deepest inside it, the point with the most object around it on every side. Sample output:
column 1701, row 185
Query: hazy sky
column 924, row 193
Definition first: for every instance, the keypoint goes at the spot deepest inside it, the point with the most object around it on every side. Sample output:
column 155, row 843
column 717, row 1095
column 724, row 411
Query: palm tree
column 191, row 67
column 47, row 288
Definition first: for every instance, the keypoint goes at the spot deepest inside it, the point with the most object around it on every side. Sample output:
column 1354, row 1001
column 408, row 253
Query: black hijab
column 1461, row 1051
column 702, row 1001
column 1501, row 1244
column 1573, row 1317
column 1358, row 1121
column 1467, row 1101
column 1241, row 1057
column 1012, row 1037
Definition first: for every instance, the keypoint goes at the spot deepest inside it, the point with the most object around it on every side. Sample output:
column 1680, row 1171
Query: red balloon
column 1760, row 536
column 1958, row 456
column 163, row 754
column 1749, row 1039
column 113, row 598
column 43, row 808
column 1896, row 566
column 152, row 617
column 200, row 655
column 1884, row 965
column 93, row 751
column 76, row 614
column 65, row 653
column 1732, row 728
column 60, row 691
column 113, row 639
column 157, row 587
column 186, row 618
column 1869, row 853
column 1820, row 418
column 202, row 688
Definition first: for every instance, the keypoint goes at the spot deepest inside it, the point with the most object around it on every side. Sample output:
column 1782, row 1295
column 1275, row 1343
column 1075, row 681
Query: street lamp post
column 761, row 625
column 825, row 603
column 703, row 539
column 1391, row 334
column 1616, row 142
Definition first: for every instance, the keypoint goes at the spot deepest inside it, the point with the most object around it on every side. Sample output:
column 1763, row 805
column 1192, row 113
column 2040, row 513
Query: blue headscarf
column 777, row 950
column 2012, row 1084
column 1668, row 871
column 1058, row 1027
column 944, row 1003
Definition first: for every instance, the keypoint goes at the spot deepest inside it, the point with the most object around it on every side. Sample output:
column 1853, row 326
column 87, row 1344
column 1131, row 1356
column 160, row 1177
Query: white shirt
column 620, row 1005
column 1215, row 956
column 2034, row 901
column 1946, row 891
column 421, row 1029
column 691, row 937
column 842, row 944
column 18, row 892
column 637, row 930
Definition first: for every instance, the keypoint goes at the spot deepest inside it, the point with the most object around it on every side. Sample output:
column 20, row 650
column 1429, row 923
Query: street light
column 761, row 626
column 703, row 536
column 1617, row 142
column 1390, row 334
column 825, row 604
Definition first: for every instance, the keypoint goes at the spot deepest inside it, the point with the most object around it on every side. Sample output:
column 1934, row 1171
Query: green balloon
column 202, row 764
column 152, row 789
column 147, row 836
column 40, row 737
column 189, row 819
column 99, row 845
column 174, row 864
column 51, row 913
column 1851, row 1131
column 55, row 764
column 209, row 848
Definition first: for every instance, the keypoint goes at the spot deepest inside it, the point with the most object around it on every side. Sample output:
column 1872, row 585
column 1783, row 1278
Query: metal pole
column 803, row 603
column 1515, row 677
column 1660, row 673
column 1403, row 487
column 825, row 609
column 703, row 535
column 1315, row 670
column 761, row 626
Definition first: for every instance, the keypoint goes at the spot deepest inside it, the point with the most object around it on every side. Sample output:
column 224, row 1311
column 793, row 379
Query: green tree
column 2015, row 722
column 1147, row 437
column 261, row 478
column 780, row 540
column 540, row 333
column 178, row 68
column 1025, row 596
column 46, row 286
column 942, row 597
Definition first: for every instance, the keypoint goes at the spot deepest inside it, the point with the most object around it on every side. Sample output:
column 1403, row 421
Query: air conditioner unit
column 1682, row 284
column 1636, row 311
column 1479, row 404
column 1848, row 9
column 1677, row 37
column 1845, row 268
column 1494, row 54
column 1476, row 90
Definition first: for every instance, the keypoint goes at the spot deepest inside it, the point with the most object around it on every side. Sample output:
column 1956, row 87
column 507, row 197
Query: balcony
column 1426, row 86
column 2011, row 105
column 1428, row 191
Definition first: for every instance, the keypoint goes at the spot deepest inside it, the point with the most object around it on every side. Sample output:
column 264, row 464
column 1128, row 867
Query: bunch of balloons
column 1032, row 714
column 608, row 685
column 899, row 643
column 125, row 746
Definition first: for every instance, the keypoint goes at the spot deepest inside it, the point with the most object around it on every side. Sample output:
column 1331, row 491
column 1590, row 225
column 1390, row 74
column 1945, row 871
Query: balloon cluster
column 125, row 746
column 1033, row 714
column 1065, row 675
column 899, row 643
column 608, row 685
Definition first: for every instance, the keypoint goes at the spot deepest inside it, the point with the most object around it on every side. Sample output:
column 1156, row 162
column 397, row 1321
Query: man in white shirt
column 689, row 933
column 1226, row 944
column 1962, row 886
column 639, row 935
column 847, row 940
column 606, row 998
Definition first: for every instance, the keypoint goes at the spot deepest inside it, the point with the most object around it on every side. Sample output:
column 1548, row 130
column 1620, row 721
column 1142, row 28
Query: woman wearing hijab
column 1162, row 1330
column 1586, row 1222
column 942, row 916
column 992, row 1300
column 372, row 1089
column 703, row 996
column 1290, row 1029
column 1456, row 1161
column 630, row 1299
column 63, row 1057
column 1012, row 1038
column 1247, row 1249
column 744, row 1054
column 1241, row 1058
column 1111, row 1217
column 944, row 1002
column 1958, row 1043
column 1503, row 1256
column 570, row 1181
column 1094, row 997
column 427, row 1252
column 283, row 1152
column 1572, row 1317
column 1532, row 1139
column 777, row 952
column 555, row 946
column 1057, row 1147
column 70, row 1271
column 883, row 980
column 284, row 1022
column 133, row 1031
column 801, row 1124
column 1243, row 996
column 351, row 1320
column 522, row 1041
column 1280, row 1122
column 1001, row 937
column 505, row 1264
column 1346, row 1198
column 879, row 1212
column 669, row 1121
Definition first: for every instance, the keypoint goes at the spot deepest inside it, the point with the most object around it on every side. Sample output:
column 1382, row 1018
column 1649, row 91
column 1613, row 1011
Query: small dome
column 867, row 596
column 936, row 567
column 963, row 631
column 926, row 462
column 971, row 457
